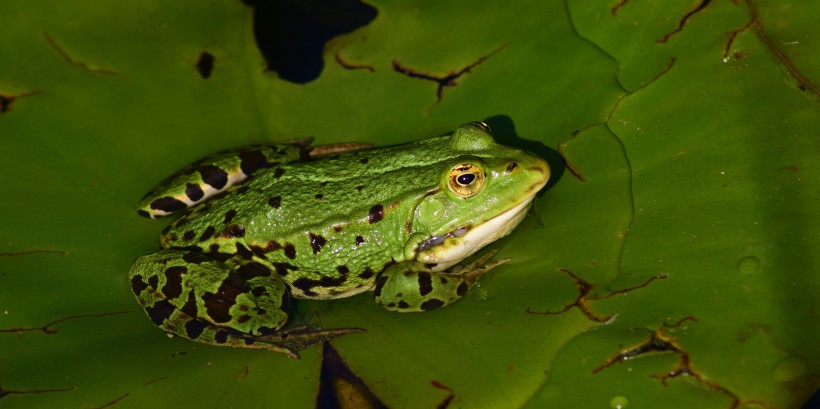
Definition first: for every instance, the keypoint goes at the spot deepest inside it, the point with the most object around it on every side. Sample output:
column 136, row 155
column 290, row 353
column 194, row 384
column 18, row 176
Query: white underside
column 455, row 249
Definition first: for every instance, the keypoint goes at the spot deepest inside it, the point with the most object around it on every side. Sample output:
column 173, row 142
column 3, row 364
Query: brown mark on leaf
column 65, row 56
column 804, row 83
column 161, row 378
column 445, row 403
column 446, row 80
column 585, row 296
column 47, row 327
column 6, row 392
column 351, row 66
column 6, row 101
column 572, row 169
column 340, row 387
column 243, row 373
column 28, row 252
column 618, row 6
column 114, row 401
column 727, row 49
column 685, row 19
column 661, row 342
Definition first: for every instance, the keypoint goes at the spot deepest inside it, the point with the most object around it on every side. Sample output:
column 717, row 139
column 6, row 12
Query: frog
column 265, row 225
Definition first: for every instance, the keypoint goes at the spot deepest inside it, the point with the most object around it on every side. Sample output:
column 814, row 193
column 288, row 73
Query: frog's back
column 326, row 228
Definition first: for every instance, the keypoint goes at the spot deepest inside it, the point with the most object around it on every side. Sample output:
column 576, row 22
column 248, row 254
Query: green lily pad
column 671, row 258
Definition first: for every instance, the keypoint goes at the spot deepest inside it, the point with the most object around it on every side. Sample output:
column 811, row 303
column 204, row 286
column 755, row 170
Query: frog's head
column 484, row 192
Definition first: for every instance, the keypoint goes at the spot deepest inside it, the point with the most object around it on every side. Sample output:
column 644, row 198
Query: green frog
column 265, row 224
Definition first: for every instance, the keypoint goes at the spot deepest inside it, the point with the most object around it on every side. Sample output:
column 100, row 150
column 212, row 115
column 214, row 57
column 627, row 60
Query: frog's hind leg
column 412, row 286
column 234, row 303
column 214, row 174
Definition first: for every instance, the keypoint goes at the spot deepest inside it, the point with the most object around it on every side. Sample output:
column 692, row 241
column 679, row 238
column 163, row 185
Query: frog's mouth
column 446, row 250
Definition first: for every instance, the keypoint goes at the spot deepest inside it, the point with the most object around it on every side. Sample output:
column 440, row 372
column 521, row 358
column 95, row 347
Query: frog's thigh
column 411, row 286
column 214, row 174
column 192, row 295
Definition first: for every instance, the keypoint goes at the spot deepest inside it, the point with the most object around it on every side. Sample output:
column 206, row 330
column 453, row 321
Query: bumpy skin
column 391, row 220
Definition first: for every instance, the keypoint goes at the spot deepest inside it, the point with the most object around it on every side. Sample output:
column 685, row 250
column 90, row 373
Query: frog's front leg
column 412, row 286
column 216, row 173
column 194, row 295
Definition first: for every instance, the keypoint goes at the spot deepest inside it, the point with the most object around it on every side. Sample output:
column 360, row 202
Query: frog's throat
column 461, row 245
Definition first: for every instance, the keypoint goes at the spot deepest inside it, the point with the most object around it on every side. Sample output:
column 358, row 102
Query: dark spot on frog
column 252, row 270
column 275, row 202
column 259, row 291
column 190, row 305
column 195, row 257
column 242, row 189
column 137, row 284
column 403, row 304
column 359, row 240
column 233, row 230
column 319, row 196
column 338, row 227
column 243, row 318
column 143, row 213
column 305, row 285
column 194, row 192
column 380, row 282
column 430, row 265
column 214, row 176
column 375, row 214
column 153, row 281
column 251, row 161
column 173, row 237
column 425, row 283
column 207, row 234
column 194, row 328
column 443, row 280
column 218, row 304
column 188, row 235
column 290, row 251
column 462, row 289
column 173, row 282
column 282, row 268
column 168, row 204
column 363, row 161
column 367, row 273
column 270, row 246
column 278, row 173
column 243, row 251
column 431, row 304
column 316, row 241
column 160, row 311
column 343, row 270
column 221, row 337
column 249, row 341
column 511, row 166
column 408, row 226
column 229, row 215
column 359, row 188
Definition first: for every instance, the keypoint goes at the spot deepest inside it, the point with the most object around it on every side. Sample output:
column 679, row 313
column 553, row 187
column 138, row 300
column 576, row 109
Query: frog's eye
column 466, row 180
column 484, row 127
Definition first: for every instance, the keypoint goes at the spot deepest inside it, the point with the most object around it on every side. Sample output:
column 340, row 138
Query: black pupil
column 466, row 179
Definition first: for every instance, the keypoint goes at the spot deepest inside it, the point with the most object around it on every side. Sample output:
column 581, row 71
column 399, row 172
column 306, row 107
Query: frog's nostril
column 511, row 166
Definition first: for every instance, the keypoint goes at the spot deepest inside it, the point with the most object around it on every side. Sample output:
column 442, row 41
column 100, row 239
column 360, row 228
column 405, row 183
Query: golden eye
column 466, row 180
